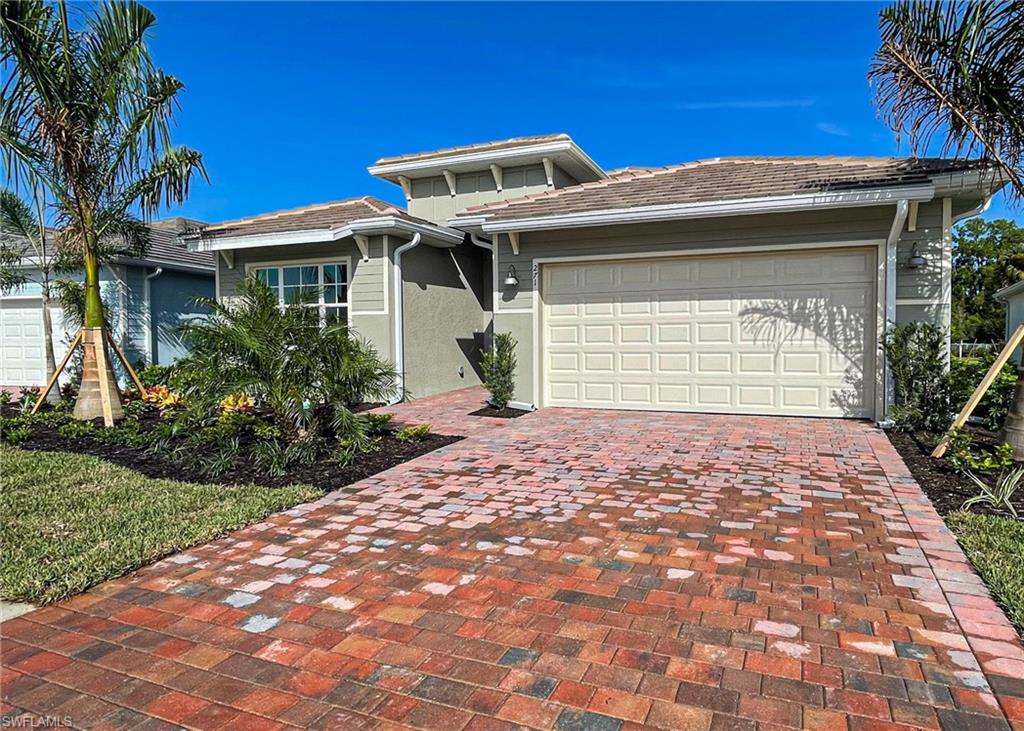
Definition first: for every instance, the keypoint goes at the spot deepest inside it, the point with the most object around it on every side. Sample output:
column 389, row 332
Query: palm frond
column 954, row 72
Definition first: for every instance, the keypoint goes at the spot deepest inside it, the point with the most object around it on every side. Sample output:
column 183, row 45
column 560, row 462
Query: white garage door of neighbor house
column 21, row 343
column 780, row 333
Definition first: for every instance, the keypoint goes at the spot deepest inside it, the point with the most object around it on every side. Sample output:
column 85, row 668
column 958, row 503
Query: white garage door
column 781, row 333
column 21, row 343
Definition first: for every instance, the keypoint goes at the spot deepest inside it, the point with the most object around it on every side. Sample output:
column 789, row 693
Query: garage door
column 21, row 343
column 782, row 333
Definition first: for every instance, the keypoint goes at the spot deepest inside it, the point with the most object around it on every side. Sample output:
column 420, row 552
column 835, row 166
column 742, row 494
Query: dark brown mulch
column 506, row 413
column 945, row 487
column 325, row 474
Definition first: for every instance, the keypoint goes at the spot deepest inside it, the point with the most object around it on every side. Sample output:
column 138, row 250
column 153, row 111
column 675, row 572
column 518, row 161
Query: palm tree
column 35, row 246
column 86, row 115
column 955, row 71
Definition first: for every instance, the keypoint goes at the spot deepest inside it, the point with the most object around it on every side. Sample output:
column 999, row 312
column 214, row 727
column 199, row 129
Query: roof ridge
column 308, row 208
column 551, row 137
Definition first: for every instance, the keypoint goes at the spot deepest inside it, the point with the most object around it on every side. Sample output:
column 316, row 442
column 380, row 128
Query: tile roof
column 482, row 147
column 721, row 179
column 163, row 248
column 320, row 216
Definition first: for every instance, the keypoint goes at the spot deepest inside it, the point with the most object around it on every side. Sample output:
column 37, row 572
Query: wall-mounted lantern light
column 916, row 260
column 511, row 280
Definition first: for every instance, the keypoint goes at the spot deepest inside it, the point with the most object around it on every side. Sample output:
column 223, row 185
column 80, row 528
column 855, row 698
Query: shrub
column 271, row 456
column 29, row 397
column 377, row 423
column 76, row 429
column 499, row 369
column 305, row 376
column 961, row 454
column 5, row 397
column 917, row 359
column 413, row 433
column 14, row 434
column 966, row 373
column 999, row 494
column 154, row 375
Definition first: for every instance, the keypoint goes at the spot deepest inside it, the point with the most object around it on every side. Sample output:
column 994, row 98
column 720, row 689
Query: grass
column 71, row 521
column 996, row 547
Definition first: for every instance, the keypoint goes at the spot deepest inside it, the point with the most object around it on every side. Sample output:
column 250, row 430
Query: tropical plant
column 962, row 454
column 305, row 375
column 413, row 433
column 917, row 357
column 86, row 116
column 499, row 368
column 954, row 71
column 999, row 494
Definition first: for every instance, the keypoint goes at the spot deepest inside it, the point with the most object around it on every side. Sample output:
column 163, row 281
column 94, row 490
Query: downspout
column 976, row 211
column 399, row 301
column 898, row 221
column 148, row 296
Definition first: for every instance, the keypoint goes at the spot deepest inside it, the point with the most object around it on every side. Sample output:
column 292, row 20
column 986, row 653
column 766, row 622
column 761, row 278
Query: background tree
column 27, row 247
column 85, row 114
column 987, row 256
column 955, row 71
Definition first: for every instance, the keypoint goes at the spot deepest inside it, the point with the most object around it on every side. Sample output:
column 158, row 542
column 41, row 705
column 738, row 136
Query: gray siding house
column 147, row 299
column 757, row 285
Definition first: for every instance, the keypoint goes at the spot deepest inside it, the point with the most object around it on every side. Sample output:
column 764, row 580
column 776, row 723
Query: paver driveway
column 569, row 569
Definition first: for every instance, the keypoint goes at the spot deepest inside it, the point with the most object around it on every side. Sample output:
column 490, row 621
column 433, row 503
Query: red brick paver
column 571, row 569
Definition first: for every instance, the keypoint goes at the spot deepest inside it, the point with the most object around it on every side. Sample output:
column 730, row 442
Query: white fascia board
column 473, row 160
column 713, row 209
column 379, row 225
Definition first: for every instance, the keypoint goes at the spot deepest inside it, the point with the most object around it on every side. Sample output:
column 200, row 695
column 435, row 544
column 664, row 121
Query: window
column 324, row 286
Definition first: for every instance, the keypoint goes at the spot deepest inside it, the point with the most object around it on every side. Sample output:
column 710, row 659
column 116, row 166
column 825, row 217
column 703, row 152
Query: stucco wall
column 444, row 317
column 171, row 297
column 922, row 294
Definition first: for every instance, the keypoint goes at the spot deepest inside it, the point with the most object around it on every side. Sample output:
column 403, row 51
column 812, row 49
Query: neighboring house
column 757, row 285
column 1013, row 296
column 146, row 299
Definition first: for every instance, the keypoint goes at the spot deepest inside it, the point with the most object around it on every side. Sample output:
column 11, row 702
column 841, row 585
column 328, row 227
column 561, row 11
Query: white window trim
column 251, row 267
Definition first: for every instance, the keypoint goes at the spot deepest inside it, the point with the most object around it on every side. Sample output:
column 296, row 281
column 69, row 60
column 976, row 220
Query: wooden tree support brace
column 131, row 371
column 979, row 393
column 57, row 371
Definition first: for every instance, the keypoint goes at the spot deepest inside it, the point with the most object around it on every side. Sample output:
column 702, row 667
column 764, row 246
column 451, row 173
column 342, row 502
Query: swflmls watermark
column 35, row 722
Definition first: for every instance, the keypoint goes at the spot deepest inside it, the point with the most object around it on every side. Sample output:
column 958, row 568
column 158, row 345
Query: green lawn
column 71, row 521
column 996, row 548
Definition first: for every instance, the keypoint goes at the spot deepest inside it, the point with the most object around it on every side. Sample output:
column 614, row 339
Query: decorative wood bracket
column 912, row 216
column 363, row 242
column 229, row 258
column 513, row 238
column 496, row 172
column 449, row 177
column 549, row 171
column 406, row 187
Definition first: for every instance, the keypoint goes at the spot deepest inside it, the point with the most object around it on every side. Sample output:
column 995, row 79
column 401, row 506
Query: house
column 146, row 299
column 1013, row 296
column 758, row 285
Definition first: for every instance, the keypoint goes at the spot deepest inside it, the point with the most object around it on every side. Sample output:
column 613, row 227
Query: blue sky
column 289, row 103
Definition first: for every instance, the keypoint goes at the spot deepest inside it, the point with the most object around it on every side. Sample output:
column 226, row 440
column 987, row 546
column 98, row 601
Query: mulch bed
column 944, row 486
column 506, row 413
column 324, row 474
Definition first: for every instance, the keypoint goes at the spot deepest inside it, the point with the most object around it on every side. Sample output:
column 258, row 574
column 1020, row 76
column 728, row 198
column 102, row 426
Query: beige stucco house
column 756, row 285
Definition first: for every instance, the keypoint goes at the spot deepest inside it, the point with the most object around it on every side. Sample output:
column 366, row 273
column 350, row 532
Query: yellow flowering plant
column 236, row 403
column 162, row 397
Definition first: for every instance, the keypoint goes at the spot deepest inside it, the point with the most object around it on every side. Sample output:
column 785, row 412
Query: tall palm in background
column 85, row 113
column 954, row 71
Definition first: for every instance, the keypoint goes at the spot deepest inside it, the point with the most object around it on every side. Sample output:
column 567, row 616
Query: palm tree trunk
column 98, row 396
column 51, row 363
column 1013, row 430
